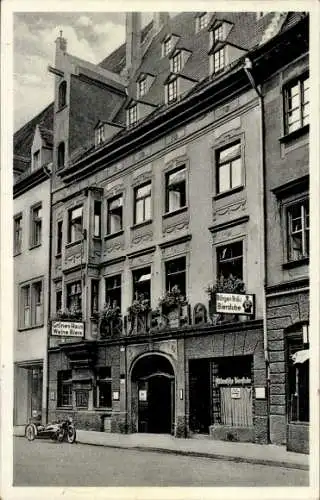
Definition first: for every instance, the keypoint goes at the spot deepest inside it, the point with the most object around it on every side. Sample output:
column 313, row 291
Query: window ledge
column 175, row 212
column 65, row 407
column 31, row 247
column 73, row 243
column 229, row 192
column 293, row 135
column 140, row 224
column 113, row 235
column 296, row 263
column 33, row 327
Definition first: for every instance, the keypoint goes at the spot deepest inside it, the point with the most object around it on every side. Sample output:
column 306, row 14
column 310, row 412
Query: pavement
column 202, row 447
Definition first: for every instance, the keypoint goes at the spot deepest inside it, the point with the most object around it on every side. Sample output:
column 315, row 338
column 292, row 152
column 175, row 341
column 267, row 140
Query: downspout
column 248, row 70
column 49, row 174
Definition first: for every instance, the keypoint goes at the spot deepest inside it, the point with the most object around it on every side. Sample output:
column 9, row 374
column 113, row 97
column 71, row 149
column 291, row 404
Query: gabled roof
column 22, row 139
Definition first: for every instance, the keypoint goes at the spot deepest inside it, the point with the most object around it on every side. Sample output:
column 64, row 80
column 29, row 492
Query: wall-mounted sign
column 260, row 392
column 142, row 395
column 235, row 303
column 235, row 392
column 67, row 328
column 115, row 396
column 232, row 381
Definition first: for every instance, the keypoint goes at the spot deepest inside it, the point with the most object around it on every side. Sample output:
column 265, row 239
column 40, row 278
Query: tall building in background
column 165, row 178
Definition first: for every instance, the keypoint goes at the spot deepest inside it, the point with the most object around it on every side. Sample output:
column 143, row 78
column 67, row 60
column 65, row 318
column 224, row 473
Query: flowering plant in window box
column 172, row 298
column 232, row 284
column 139, row 305
column 68, row 315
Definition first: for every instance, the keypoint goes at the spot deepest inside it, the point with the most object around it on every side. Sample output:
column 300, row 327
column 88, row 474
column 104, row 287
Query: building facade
column 31, row 227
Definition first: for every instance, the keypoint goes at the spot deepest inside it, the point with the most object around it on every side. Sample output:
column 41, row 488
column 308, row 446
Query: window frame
column 59, row 237
column 218, row 35
column 132, row 115
column 71, row 223
column 167, row 274
column 70, row 296
column 230, row 161
column 176, row 62
column 142, row 86
column 299, row 80
column 172, row 171
column 17, row 242
column 222, row 57
column 62, row 95
column 116, row 289
column 95, row 296
column 110, row 212
column 58, row 301
column 203, row 21
column 99, row 135
column 61, row 155
column 97, row 210
column 172, row 90
column 104, row 380
column 35, row 222
column 241, row 258
column 31, row 305
column 142, row 271
column 305, row 229
column 36, row 160
column 167, row 46
column 143, row 198
column 62, row 383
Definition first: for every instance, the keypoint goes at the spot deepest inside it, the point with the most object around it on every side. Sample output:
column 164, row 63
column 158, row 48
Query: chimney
column 160, row 19
column 133, row 41
column 61, row 44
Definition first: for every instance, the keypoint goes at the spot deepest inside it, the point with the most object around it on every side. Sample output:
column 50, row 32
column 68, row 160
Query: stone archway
column 153, row 394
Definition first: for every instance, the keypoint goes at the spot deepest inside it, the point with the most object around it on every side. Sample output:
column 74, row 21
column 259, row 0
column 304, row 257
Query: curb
column 213, row 456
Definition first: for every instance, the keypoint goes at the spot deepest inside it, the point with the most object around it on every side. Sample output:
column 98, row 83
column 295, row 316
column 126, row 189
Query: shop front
column 29, row 393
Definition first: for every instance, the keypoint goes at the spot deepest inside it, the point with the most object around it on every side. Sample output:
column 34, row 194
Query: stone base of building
column 298, row 437
column 181, row 430
column 230, row 433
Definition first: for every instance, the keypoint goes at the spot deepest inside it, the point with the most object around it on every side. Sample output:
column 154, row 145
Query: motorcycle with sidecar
column 63, row 430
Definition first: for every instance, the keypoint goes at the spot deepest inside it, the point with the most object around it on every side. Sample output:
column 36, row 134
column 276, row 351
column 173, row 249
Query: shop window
column 113, row 291
column 31, row 305
column 36, row 160
column 132, row 114
column 298, row 230
column 59, row 237
column 61, row 155
column 94, row 296
column 230, row 261
column 62, row 94
column 296, row 103
column 176, row 274
column 176, row 189
column 142, row 203
column 64, row 389
column 218, row 60
column 58, row 301
column 36, row 225
column 36, row 392
column 75, row 224
column 104, row 387
column 97, row 219
column 229, row 168
column 172, row 90
column 141, row 283
column 74, row 297
column 82, row 398
column 298, row 379
column 115, row 214
column 17, row 234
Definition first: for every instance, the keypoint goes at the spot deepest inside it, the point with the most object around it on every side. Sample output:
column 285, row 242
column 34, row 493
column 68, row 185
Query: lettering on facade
column 232, row 381
column 233, row 303
column 67, row 328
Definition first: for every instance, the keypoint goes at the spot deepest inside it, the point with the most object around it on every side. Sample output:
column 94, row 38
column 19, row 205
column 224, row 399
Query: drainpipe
column 248, row 70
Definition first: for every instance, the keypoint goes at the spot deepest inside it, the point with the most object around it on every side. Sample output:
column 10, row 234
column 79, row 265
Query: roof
column 22, row 140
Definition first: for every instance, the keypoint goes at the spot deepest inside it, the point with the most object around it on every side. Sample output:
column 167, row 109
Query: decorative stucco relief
column 230, row 209
column 113, row 245
column 175, row 223
column 173, row 250
column 141, row 260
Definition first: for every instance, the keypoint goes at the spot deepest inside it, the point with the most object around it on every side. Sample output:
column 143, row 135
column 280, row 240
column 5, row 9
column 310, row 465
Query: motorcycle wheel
column 71, row 435
column 60, row 435
column 31, row 432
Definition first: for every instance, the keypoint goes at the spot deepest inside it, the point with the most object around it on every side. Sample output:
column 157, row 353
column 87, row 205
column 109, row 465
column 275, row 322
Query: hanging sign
column 235, row 392
column 67, row 328
column 235, row 303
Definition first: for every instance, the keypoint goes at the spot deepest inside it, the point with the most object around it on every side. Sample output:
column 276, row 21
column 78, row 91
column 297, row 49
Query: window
column 176, row 63
column 229, row 168
column 59, row 236
column 218, row 60
column 97, row 219
column 172, row 90
column 203, row 21
column 58, row 300
column 298, row 379
column 61, row 155
column 176, row 274
column 142, row 87
column 142, row 203
column 298, row 230
column 141, row 283
column 17, row 234
column 94, row 296
column 176, row 189
column 218, row 33
column 36, row 225
column 74, row 295
column 64, row 389
column 82, row 398
column 297, row 105
column 36, row 160
column 114, row 215
column 167, row 45
column 75, row 224
column 230, row 261
column 104, row 387
column 99, row 135
column 31, row 305
column 132, row 115
column 62, row 94
column 113, row 291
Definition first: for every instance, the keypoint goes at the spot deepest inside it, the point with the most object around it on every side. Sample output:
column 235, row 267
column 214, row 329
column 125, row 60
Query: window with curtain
column 142, row 203
column 229, row 168
column 176, row 189
column 75, row 224
column 114, row 214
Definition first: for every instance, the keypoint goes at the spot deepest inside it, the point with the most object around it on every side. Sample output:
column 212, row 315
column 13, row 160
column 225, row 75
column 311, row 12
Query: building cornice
column 29, row 181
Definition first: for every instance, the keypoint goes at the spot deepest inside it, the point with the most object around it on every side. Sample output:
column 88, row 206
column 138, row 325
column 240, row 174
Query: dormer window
column 176, row 63
column 99, row 135
column 172, row 91
column 167, row 46
column 218, row 60
column 132, row 115
column 142, row 87
column 203, row 21
column 218, row 34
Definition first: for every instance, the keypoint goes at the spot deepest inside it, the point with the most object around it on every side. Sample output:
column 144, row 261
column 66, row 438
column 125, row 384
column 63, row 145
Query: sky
column 90, row 36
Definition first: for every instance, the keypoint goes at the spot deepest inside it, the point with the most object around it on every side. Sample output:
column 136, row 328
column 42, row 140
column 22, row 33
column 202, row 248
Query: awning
column 144, row 277
column 300, row 356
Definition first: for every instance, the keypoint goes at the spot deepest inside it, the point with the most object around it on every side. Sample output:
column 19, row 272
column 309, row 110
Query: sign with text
column 235, row 393
column 67, row 328
column 235, row 303
column 232, row 381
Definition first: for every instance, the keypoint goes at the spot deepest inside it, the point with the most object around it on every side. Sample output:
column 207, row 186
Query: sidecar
column 50, row 431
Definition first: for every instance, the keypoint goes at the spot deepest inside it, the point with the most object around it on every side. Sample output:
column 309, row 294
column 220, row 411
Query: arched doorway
column 153, row 394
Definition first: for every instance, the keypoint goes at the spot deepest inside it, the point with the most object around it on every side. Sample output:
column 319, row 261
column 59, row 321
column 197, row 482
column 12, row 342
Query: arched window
column 61, row 155
column 62, row 94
